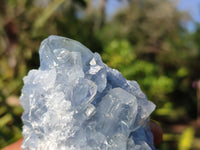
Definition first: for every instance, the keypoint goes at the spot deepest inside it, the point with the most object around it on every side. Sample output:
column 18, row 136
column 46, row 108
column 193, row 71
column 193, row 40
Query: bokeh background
column 155, row 42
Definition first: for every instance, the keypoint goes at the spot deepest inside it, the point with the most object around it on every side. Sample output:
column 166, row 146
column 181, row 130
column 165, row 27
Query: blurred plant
column 159, row 54
column 185, row 142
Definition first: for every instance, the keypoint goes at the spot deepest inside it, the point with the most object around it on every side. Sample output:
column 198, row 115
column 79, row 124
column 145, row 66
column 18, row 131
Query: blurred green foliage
column 186, row 139
column 145, row 41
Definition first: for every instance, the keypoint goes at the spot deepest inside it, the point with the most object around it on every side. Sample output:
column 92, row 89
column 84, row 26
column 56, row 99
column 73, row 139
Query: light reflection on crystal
column 76, row 102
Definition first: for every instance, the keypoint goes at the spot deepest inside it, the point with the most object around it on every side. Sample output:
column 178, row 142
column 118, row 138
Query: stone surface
column 76, row 102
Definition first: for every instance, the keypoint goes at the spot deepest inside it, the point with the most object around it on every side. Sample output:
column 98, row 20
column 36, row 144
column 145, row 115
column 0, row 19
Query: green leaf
column 5, row 119
column 185, row 142
column 182, row 72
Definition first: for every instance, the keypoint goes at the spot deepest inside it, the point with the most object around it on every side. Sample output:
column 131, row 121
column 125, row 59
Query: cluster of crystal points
column 76, row 102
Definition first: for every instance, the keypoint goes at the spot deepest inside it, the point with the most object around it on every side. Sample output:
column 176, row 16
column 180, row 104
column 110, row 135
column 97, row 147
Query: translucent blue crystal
column 76, row 102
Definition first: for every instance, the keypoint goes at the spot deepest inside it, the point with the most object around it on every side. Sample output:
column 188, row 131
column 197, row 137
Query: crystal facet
column 76, row 102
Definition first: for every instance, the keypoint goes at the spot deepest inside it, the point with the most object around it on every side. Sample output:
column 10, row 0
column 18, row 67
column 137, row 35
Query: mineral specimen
column 76, row 102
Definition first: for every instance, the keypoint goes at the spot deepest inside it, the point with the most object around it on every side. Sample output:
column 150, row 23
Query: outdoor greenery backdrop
column 145, row 40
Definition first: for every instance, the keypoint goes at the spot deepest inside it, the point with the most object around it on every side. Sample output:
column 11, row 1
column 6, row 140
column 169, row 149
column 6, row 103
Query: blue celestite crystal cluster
column 76, row 102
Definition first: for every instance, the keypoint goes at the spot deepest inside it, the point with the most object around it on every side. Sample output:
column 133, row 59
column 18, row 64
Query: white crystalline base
column 75, row 102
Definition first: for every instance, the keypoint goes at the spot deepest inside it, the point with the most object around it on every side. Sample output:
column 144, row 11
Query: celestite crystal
column 76, row 102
